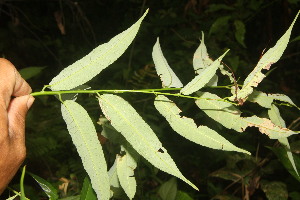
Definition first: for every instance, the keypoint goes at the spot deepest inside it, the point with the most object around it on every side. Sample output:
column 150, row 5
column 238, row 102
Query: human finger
column 11, row 83
column 17, row 111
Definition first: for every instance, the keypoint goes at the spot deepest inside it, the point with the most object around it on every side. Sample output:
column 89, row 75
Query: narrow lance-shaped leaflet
column 201, row 61
column 202, row 79
column 164, row 71
column 229, row 116
column 187, row 128
column 138, row 133
column 92, row 64
column 84, row 137
column 266, row 100
column 126, row 165
column 269, row 58
column 276, row 118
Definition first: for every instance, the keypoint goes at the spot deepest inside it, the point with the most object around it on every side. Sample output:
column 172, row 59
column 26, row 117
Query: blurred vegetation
column 55, row 33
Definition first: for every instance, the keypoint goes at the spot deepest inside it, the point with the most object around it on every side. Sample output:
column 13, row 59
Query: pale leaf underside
column 187, row 128
column 269, row 58
column 138, row 133
column 125, row 169
column 166, row 74
column 229, row 116
column 202, row 79
column 275, row 117
column 84, row 137
column 266, row 100
column 92, row 64
column 201, row 61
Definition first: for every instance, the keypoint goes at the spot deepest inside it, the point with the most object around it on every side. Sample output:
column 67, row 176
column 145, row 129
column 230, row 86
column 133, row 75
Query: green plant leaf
column 276, row 118
column 221, row 111
column 266, row 100
column 87, row 192
column 115, row 187
column 92, row 64
column 274, row 190
column 84, row 137
column 201, row 61
column 77, row 197
column 50, row 191
column 201, row 58
column 181, row 195
column 240, row 31
column 138, row 133
column 30, row 72
column 126, row 165
column 269, row 58
column 219, row 24
column 164, row 71
column 168, row 190
column 187, row 128
column 229, row 116
column 202, row 79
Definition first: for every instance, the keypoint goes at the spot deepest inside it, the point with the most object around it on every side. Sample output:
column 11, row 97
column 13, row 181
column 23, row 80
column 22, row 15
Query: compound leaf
column 202, row 79
column 92, row 64
column 164, row 71
column 269, row 58
column 84, row 137
column 187, row 128
column 138, row 133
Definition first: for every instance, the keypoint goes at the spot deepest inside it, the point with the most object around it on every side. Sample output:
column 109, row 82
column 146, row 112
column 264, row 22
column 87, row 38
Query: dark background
column 56, row 33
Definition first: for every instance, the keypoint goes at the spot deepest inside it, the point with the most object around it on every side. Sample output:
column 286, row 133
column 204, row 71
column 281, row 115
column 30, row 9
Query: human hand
column 12, row 120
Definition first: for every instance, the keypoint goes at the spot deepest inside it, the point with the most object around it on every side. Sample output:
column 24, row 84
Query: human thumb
column 17, row 111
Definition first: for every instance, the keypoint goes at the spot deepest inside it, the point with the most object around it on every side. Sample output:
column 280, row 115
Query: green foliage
column 50, row 191
column 242, row 172
column 85, row 139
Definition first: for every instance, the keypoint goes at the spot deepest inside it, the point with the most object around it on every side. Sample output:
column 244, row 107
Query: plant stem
column 145, row 91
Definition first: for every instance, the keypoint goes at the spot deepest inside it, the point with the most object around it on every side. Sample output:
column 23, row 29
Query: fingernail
column 30, row 101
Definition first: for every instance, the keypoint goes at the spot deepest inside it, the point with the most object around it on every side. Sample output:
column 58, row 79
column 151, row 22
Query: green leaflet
column 125, row 168
column 50, row 191
column 240, row 31
column 266, row 100
column 202, row 79
column 269, row 58
column 168, row 190
column 92, row 64
column 275, row 117
column 138, row 133
column 221, row 111
column 201, row 61
column 229, row 116
column 164, row 71
column 201, row 58
column 187, row 128
column 84, row 137
column 87, row 192
column 115, row 187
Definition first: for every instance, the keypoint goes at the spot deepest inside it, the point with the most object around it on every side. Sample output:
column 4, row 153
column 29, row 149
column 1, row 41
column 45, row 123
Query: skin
column 14, row 104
